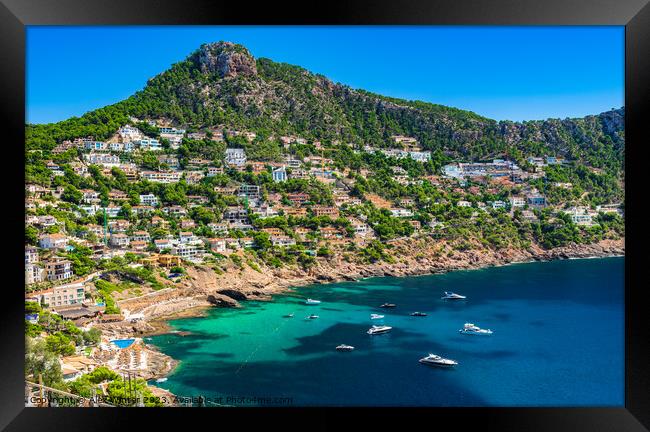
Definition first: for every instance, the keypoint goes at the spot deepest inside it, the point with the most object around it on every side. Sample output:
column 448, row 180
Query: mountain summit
column 226, row 59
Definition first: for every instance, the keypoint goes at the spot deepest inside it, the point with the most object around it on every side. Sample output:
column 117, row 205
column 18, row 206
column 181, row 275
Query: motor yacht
column 312, row 302
column 376, row 316
column 436, row 360
column 288, row 315
column 420, row 314
column 471, row 329
column 344, row 347
column 311, row 317
column 379, row 330
column 452, row 296
column 387, row 305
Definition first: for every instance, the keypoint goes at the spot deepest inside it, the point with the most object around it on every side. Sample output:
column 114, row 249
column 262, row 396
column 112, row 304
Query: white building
column 400, row 212
column 116, row 147
column 361, row 229
column 91, row 209
column 53, row 241
column 149, row 199
column 173, row 135
column 185, row 250
column 33, row 274
column 162, row 176
column 282, row 241
column 213, row 171
column 235, row 156
column 64, row 295
column 517, row 201
column 119, row 240
column 31, row 255
column 187, row 237
column 217, row 244
column 129, row 133
column 90, row 196
column 162, row 244
column 112, row 211
column 105, row 159
column 580, row 216
column 89, row 144
column 280, row 174
column 148, row 144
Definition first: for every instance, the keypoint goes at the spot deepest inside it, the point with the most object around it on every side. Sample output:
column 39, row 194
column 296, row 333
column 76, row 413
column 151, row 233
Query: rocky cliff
column 205, row 288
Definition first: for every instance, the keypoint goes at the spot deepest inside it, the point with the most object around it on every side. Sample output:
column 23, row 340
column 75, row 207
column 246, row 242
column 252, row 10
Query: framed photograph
column 427, row 211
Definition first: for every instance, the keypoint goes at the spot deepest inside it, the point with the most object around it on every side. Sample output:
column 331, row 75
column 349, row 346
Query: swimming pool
column 123, row 343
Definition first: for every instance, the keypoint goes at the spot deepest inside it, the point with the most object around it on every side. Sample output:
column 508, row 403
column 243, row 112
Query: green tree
column 72, row 194
column 41, row 362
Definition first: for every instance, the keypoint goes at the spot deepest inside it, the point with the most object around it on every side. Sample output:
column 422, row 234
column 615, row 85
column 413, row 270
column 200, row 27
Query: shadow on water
column 345, row 385
column 355, row 335
column 502, row 316
column 222, row 355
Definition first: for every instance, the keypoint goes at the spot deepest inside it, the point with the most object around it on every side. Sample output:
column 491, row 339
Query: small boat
column 376, row 316
column 379, row 330
column 311, row 317
column 471, row 329
column 288, row 316
column 161, row 380
column 418, row 314
column 387, row 305
column 344, row 347
column 312, row 302
column 436, row 360
column 453, row 296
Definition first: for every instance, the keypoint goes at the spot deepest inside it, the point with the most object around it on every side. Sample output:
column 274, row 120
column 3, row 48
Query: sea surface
column 558, row 341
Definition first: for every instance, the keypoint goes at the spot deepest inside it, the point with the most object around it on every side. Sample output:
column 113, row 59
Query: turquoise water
column 558, row 341
column 123, row 343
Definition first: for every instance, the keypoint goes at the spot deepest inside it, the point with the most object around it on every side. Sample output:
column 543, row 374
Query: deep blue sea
column 558, row 341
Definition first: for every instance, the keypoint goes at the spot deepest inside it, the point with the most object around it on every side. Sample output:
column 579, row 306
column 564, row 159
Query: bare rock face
column 226, row 59
column 233, row 294
column 613, row 120
column 221, row 300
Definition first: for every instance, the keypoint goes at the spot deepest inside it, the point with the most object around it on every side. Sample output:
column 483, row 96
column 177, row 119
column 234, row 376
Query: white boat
column 436, row 360
column 288, row 315
column 311, row 317
column 312, row 302
column 419, row 314
column 376, row 316
column 379, row 330
column 452, row 296
column 471, row 329
column 161, row 380
column 387, row 305
column 344, row 347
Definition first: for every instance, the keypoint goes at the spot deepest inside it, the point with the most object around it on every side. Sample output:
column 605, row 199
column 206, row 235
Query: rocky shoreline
column 204, row 288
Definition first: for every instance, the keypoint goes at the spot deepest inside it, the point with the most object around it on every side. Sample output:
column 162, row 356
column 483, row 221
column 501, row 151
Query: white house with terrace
column 149, row 199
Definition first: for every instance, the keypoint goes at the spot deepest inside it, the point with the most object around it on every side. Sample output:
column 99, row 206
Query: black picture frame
column 633, row 14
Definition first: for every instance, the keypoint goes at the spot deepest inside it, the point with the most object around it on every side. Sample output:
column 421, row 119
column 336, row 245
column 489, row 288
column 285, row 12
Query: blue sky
column 514, row 73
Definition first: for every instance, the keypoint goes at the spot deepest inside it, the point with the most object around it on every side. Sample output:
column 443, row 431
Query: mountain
column 222, row 84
